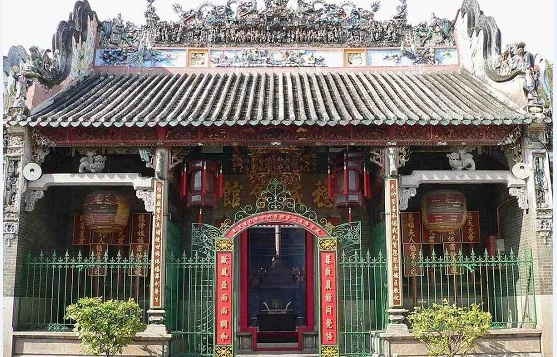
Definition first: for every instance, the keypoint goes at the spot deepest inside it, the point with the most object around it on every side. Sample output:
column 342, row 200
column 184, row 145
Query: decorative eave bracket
column 409, row 183
column 143, row 186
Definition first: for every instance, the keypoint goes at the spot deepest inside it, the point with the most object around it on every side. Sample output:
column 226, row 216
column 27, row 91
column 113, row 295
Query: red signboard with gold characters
column 328, row 298
column 223, row 317
column 410, row 227
column 471, row 228
column 141, row 228
column 81, row 235
column 98, row 250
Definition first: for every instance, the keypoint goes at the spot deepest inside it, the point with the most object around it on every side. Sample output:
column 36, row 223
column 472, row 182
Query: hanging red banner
column 328, row 298
column 410, row 227
column 141, row 228
column 223, row 318
column 98, row 251
column 81, row 235
column 411, row 258
column 471, row 228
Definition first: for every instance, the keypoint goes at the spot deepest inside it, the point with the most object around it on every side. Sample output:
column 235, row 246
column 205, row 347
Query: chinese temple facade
column 277, row 178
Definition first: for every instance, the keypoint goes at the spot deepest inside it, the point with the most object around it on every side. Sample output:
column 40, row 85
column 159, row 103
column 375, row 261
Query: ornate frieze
column 261, row 165
column 240, row 23
column 140, row 57
column 372, row 135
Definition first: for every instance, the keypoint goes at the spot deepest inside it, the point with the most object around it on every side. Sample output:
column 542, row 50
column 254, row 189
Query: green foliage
column 449, row 330
column 105, row 327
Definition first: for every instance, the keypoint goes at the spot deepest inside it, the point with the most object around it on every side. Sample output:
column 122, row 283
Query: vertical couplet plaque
column 395, row 243
column 328, row 297
column 157, row 246
column 224, row 304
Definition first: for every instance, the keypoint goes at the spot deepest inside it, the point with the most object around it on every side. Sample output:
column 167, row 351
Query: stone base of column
column 156, row 322
column 396, row 318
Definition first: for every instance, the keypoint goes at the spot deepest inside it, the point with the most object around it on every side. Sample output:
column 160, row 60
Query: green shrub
column 105, row 327
column 449, row 330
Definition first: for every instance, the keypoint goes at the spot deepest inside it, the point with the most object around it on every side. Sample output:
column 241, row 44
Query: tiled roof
column 271, row 98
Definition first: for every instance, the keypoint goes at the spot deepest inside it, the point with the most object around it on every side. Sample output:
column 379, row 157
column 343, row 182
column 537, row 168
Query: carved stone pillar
column 156, row 311
column 17, row 149
column 539, row 184
column 394, row 252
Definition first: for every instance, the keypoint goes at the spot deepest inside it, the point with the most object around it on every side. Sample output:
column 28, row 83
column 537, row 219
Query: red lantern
column 443, row 210
column 347, row 188
column 201, row 183
column 106, row 212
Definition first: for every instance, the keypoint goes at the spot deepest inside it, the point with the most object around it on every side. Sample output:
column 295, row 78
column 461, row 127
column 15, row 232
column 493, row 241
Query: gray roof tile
column 276, row 98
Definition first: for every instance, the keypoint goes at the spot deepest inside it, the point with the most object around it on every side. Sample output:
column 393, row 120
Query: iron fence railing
column 363, row 299
column 501, row 284
column 48, row 284
column 190, row 305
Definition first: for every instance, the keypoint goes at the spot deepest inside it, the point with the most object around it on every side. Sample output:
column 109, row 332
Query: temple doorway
column 277, row 286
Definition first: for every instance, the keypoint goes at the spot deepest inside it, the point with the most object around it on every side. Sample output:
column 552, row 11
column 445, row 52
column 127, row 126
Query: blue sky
column 531, row 21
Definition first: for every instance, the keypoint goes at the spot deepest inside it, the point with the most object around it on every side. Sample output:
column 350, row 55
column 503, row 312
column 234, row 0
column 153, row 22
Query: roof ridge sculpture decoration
column 502, row 66
column 50, row 67
column 314, row 22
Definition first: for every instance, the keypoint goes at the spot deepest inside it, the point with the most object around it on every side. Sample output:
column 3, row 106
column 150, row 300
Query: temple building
column 272, row 178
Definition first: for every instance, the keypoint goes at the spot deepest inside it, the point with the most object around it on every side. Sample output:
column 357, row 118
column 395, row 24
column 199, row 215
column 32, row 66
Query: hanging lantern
column 348, row 181
column 201, row 183
column 106, row 211
column 443, row 210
